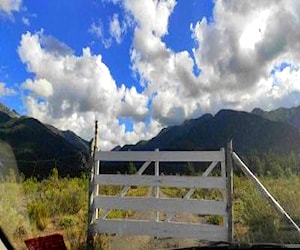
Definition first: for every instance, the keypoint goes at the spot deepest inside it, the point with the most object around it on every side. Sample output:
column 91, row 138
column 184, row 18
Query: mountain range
column 252, row 132
column 36, row 147
column 286, row 115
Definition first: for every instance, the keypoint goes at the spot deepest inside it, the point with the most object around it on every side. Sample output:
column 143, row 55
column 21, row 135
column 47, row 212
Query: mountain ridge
column 33, row 142
column 250, row 132
column 36, row 147
column 287, row 115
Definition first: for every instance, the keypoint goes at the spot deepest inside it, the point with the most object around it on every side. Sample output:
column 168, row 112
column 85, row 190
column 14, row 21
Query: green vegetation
column 287, row 115
column 132, row 168
column 36, row 147
column 36, row 208
column 273, row 165
column 255, row 220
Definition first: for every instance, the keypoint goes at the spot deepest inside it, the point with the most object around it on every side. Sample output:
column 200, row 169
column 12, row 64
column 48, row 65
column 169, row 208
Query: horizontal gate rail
column 162, row 181
column 162, row 156
column 205, row 207
column 162, row 229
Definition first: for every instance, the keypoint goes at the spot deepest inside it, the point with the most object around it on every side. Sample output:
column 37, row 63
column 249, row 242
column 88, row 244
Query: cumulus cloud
column 238, row 52
column 6, row 91
column 71, row 92
column 133, row 104
column 8, row 6
column 40, row 87
column 175, row 92
column 54, row 46
column 235, row 54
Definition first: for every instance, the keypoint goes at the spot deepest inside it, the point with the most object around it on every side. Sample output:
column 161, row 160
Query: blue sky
column 140, row 65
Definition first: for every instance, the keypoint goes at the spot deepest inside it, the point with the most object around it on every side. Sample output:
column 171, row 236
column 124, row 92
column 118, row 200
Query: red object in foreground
column 49, row 242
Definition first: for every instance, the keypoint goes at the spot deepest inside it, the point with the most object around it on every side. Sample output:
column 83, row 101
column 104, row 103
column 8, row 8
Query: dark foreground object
column 49, row 242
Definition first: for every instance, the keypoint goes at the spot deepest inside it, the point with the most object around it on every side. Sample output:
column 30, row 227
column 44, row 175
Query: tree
column 131, row 168
column 190, row 170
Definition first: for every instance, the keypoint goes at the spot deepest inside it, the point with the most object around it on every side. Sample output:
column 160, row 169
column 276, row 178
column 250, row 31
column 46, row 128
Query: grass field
column 33, row 208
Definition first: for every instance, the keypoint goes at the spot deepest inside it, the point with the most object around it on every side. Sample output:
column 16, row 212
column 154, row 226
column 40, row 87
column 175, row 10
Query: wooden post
column 95, row 140
column 91, row 175
column 157, row 188
column 97, row 167
column 229, row 186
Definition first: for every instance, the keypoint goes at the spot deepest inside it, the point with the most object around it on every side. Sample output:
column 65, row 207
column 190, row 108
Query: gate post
column 91, row 192
column 90, row 233
column 229, row 186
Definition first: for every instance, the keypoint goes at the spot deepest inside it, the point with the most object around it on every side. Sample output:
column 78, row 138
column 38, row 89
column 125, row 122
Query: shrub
column 68, row 221
column 253, row 212
column 102, row 242
column 119, row 214
column 38, row 214
column 215, row 219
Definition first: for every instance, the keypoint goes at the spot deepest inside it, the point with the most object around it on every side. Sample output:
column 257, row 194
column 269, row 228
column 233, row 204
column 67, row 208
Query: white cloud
column 54, row 46
column 6, row 91
column 26, row 21
column 40, row 87
column 134, row 104
column 8, row 6
column 285, row 88
column 115, row 29
column 97, row 30
column 235, row 54
column 151, row 15
column 239, row 49
column 77, row 90
column 168, row 77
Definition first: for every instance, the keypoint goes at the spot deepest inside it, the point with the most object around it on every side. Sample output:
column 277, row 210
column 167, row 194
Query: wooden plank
column 229, row 184
column 210, row 168
column 156, row 170
column 223, row 174
column 143, row 168
column 189, row 193
column 97, row 172
column 163, row 180
column 162, row 229
column 205, row 207
column 165, row 156
column 223, row 166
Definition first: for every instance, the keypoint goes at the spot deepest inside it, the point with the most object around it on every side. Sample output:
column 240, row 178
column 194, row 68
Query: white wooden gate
column 100, row 205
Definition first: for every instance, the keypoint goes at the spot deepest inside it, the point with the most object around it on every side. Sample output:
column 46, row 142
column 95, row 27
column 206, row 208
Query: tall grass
column 35, row 208
column 256, row 220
